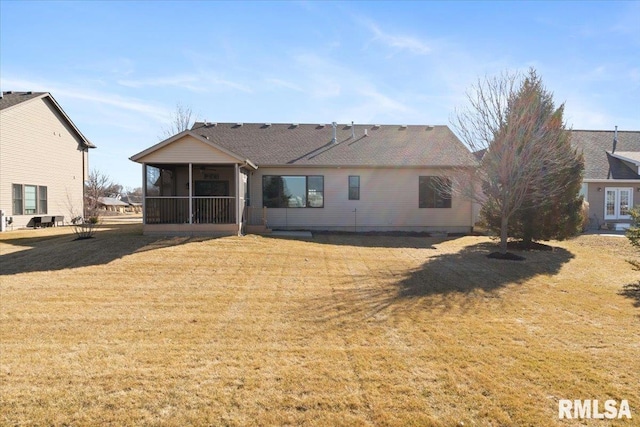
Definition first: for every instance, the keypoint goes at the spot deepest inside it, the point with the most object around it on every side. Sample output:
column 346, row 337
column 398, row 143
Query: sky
column 120, row 68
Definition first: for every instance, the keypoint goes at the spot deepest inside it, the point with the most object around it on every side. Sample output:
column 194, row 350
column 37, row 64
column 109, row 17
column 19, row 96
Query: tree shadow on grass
column 372, row 239
column 462, row 280
column 63, row 251
column 632, row 291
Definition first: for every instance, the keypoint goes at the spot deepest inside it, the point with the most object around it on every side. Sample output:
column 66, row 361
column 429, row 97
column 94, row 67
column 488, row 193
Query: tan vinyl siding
column 37, row 147
column 185, row 150
column 388, row 201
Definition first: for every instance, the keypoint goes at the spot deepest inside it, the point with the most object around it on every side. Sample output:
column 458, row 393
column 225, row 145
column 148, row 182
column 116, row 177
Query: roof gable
column 187, row 147
column 597, row 147
column 11, row 99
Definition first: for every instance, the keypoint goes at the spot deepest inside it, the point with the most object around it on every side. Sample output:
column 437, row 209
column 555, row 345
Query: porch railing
column 175, row 210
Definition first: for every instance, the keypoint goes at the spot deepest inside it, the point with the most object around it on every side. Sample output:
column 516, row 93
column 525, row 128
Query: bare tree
column 182, row 119
column 98, row 185
column 512, row 124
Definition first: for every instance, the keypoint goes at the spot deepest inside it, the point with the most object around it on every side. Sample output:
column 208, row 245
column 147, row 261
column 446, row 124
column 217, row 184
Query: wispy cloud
column 199, row 82
column 279, row 83
column 104, row 98
column 399, row 41
column 182, row 81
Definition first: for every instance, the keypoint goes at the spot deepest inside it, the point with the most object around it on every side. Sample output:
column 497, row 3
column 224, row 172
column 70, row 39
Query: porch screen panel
column 153, row 181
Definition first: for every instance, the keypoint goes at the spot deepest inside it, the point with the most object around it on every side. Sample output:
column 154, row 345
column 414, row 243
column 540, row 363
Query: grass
column 125, row 329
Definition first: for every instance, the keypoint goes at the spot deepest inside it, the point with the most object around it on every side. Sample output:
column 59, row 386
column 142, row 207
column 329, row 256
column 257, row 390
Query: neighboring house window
column 279, row 191
column 29, row 199
column 354, row 187
column 617, row 203
column 17, row 199
column 434, row 192
column 42, row 200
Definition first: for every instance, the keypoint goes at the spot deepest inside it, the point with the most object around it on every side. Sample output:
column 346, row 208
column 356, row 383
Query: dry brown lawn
column 125, row 329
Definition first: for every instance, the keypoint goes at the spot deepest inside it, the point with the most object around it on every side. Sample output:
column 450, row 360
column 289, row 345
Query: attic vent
column 294, row 125
column 204, row 136
column 403, row 126
column 376, row 126
column 267, row 125
column 208, row 124
column 29, row 93
column 429, row 127
column 239, row 124
column 320, row 126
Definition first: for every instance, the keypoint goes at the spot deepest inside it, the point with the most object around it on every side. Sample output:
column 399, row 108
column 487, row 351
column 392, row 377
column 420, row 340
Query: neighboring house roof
column 311, row 144
column 111, row 201
column 132, row 200
column 601, row 160
column 11, row 99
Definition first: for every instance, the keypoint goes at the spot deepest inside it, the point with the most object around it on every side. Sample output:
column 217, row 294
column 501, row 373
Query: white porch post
column 144, row 193
column 190, row 193
column 237, row 178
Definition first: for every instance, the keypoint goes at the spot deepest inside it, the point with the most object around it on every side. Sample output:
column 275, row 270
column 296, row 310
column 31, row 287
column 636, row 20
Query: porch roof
column 195, row 149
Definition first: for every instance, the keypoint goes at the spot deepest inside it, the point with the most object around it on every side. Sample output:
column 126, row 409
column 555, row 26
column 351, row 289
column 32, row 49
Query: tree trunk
column 503, row 234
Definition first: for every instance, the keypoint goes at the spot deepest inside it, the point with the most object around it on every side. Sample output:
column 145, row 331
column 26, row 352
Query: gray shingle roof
column 9, row 98
column 598, row 163
column 311, row 144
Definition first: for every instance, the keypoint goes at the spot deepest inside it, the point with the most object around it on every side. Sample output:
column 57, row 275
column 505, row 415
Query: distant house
column 44, row 159
column 611, row 182
column 112, row 204
column 223, row 177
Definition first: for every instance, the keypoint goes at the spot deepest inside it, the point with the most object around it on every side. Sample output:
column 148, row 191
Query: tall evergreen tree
column 552, row 208
column 527, row 163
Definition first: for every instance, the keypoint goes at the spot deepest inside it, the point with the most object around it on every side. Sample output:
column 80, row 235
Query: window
column 354, row 187
column 29, row 199
column 618, row 202
column 293, row 191
column 42, row 200
column 434, row 192
column 17, row 199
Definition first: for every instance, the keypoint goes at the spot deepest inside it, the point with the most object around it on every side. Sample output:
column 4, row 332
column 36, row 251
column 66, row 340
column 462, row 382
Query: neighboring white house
column 611, row 181
column 219, row 178
column 43, row 159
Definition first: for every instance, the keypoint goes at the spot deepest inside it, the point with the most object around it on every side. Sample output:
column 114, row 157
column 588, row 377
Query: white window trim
column 617, row 190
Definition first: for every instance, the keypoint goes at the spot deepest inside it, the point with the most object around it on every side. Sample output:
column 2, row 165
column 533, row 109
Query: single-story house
column 44, row 159
column 134, row 203
column 611, row 182
column 112, row 204
column 232, row 177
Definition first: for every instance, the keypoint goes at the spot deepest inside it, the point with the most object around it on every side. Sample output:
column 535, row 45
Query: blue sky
column 119, row 68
